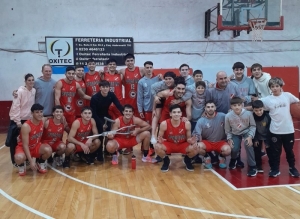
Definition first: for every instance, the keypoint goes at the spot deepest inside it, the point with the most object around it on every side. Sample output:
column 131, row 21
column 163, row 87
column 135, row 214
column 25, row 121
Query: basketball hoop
column 257, row 26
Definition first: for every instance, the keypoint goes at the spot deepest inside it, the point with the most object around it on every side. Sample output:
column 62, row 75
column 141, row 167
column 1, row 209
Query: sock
column 146, row 153
column 40, row 160
column 67, row 158
column 151, row 146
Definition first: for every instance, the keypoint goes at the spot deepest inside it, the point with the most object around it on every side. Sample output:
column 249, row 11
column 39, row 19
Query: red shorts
column 176, row 148
column 114, row 112
column 34, row 152
column 126, row 142
column 78, row 148
column 148, row 117
column 53, row 144
column 214, row 146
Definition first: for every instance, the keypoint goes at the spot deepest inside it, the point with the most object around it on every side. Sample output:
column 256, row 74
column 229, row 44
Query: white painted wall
column 25, row 23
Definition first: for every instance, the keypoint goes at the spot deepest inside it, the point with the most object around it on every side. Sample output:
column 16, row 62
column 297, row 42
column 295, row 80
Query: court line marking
column 2, row 146
column 223, row 179
column 150, row 200
column 291, row 188
column 24, row 206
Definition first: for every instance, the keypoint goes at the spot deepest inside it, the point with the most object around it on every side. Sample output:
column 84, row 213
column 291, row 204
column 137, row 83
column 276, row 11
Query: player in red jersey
column 115, row 85
column 65, row 91
column 138, row 135
column 92, row 79
column 80, row 102
column 30, row 145
column 132, row 75
column 175, row 137
column 77, row 141
column 53, row 133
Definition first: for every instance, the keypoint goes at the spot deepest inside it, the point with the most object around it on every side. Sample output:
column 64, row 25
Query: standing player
column 77, row 141
column 138, row 135
column 115, row 84
column 30, row 145
column 80, row 102
column 92, row 79
column 184, row 70
column 53, row 133
column 175, row 137
column 65, row 91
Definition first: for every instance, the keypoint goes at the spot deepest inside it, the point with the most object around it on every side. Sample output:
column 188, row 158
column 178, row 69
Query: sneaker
column 274, row 173
column 15, row 165
column 188, row 164
column 232, row 164
column 240, row 163
column 158, row 159
column 252, row 171
column 127, row 151
column 66, row 163
column 148, row 159
column 214, row 157
column 75, row 157
column 294, row 172
column 85, row 158
column 151, row 152
column 22, row 170
column 207, row 162
column 166, row 164
column 57, row 161
column 50, row 159
column 153, row 140
column 222, row 162
column 260, row 169
column 262, row 154
column 42, row 167
column 115, row 160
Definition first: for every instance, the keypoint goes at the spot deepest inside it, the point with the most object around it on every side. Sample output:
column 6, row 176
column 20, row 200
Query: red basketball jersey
column 92, row 83
column 115, row 83
column 123, row 124
column 83, row 131
column 175, row 134
column 131, row 81
column 53, row 132
column 35, row 134
column 68, row 92
column 79, row 102
column 165, row 113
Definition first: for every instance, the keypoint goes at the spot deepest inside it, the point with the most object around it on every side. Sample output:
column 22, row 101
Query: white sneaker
column 149, row 159
column 115, row 159
column 42, row 167
column 58, row 161
column 153, row 140
column 22, row 170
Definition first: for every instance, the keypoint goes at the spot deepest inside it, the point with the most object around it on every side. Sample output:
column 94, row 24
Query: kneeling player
column 175, row 137
column 77, row 141
column 30, row 145
column 139, row 132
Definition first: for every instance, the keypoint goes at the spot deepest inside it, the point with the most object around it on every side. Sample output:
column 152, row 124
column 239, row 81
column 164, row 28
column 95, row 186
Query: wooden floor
column 106, row 191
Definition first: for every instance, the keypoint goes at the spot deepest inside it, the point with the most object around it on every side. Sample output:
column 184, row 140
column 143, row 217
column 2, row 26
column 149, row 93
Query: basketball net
column 257, row 26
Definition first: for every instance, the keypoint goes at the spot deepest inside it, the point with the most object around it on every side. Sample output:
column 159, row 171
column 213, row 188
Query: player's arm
column 81, row 93
column 187, row 95
column 121, row 71
column 188, row 109
column 57, row 92
column 144, row 126
column 25, row 130
column 140, row 99
column 46, row 123
column 190, row 139
column 198, row 130
column 94, row 131
column 71, row 136
column 162, row 129
column 114, row 127
column 66, row 126
column 117, row 103
column 142, row 71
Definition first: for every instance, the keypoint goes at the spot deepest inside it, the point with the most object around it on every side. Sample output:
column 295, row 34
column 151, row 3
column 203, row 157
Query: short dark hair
column 255, row 65
column 183, row 65
column 236, row 100
column 129, row 56
column 111, row 60
column 179, row 80
column 257, row 104
column 104, row 83
column 28, row 75
column 70, row 68
column 129, row 107
column 148, row 63
column 36, row 107
column 79, row 66
column 86, row 108
column 45, row 66
column 57, row 107
column 174, row 106
column 170, row 74
column 90, row 60
column 210, row 101
column 197, row 72
column 238, row 65
column 200, row 83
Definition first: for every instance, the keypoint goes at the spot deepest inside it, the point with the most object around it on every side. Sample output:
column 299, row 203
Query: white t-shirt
column 279, row 107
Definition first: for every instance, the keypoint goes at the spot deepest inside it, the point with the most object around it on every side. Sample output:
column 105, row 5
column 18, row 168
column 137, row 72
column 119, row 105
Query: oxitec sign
column 62, row 51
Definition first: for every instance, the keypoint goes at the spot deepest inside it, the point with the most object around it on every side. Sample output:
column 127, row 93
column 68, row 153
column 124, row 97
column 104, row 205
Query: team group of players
column 193, row 117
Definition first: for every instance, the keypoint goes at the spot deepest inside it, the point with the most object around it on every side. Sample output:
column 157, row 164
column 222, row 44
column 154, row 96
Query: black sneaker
column 86, row 158
column 274, row 173
column 166, row 164
column 240, row 164
column 252, row 171
column 232, row 164
column 50, row 159
column 159, row 159
column 197, row 159
column 66, row 163
column 260, row 169
column 262, row 154
column 188, row 164
column 294, row 172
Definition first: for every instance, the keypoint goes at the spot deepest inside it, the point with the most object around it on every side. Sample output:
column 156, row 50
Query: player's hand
column 104, row 126
column 157, row 100
column 230, row 142
column 254, row 98
column 192, row 140
column 255, row 144
column 142, row 115
column 85, row 148
column 15, row 93
column 33, row 165
column 248, row 141
column 184, row 119
column 19, row 125
column 160, row 139
column 160, row 76
column 110, row 135
column 135, row 132
column 230, row 77
column 89, row 142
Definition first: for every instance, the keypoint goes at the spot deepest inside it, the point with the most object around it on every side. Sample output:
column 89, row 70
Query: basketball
column 295, row 110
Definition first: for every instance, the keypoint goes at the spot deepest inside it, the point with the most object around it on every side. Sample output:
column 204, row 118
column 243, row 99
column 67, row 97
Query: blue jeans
column 237, row 140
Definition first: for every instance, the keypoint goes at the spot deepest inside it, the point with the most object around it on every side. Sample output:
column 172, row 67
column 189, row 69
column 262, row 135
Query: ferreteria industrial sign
column 77, row 50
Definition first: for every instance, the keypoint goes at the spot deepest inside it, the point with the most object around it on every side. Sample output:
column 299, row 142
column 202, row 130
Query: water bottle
column 133, row 162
